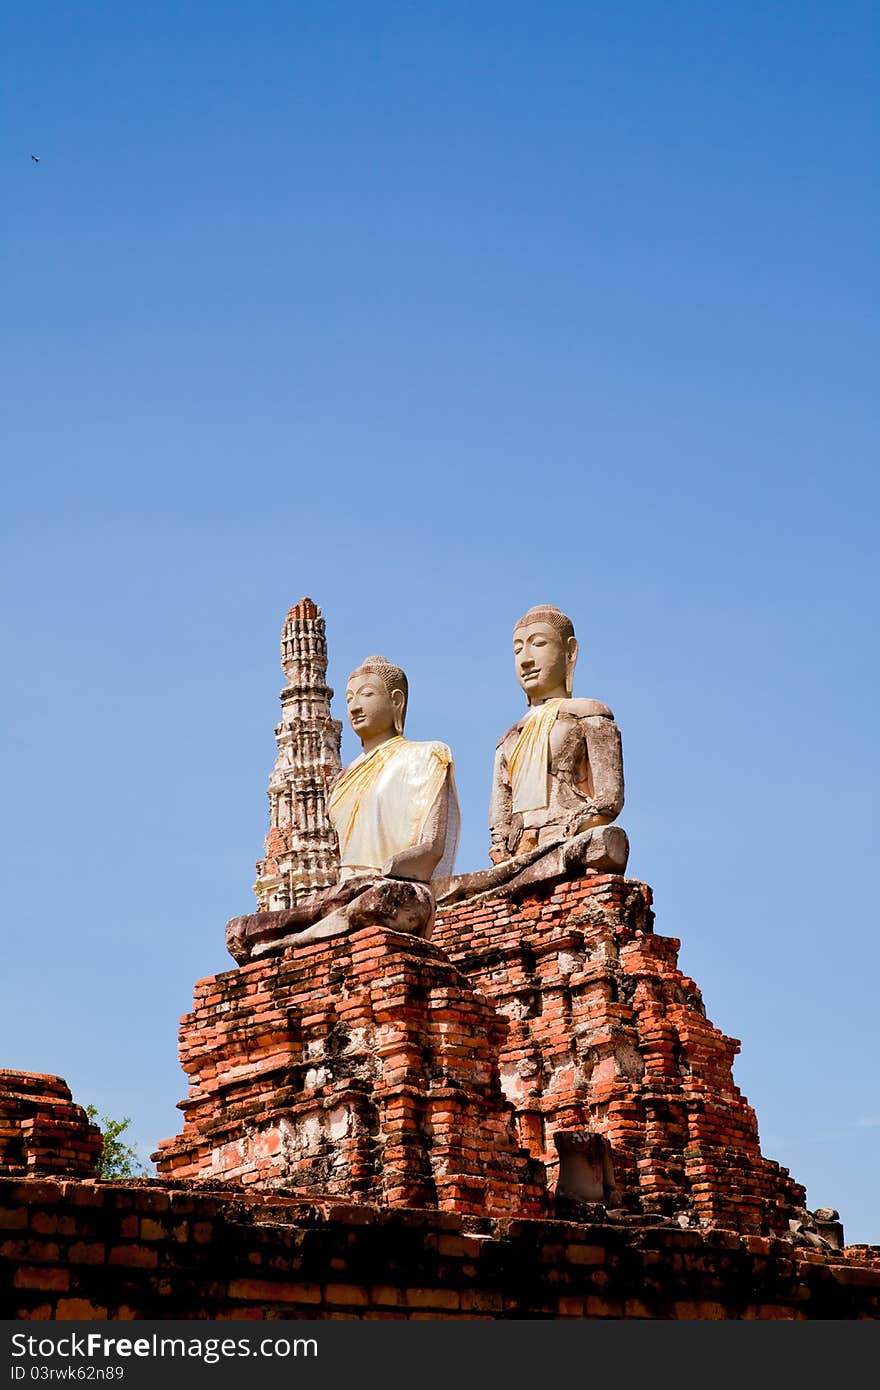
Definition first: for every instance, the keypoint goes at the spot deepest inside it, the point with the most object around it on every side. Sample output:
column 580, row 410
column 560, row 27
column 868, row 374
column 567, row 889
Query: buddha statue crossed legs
column 395, row 813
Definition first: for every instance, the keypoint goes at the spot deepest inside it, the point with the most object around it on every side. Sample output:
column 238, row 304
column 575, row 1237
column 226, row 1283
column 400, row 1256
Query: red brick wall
column 83, row 1250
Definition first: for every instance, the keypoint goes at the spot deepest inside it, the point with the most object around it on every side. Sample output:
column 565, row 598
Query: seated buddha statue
column 557, row 781
column 395, row 813
column 559, row 769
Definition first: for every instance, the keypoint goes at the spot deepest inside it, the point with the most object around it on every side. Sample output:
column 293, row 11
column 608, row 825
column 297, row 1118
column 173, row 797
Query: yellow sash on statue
column 381, row 802
column 529, row 760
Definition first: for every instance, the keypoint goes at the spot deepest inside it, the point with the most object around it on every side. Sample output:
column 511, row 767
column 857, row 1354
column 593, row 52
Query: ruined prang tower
column 300, row 850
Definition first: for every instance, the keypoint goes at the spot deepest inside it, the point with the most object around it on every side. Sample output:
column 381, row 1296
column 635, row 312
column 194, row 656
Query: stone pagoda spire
column 301, row 854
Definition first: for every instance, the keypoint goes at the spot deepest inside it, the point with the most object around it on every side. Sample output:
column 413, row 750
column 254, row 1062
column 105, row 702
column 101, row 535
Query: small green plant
column 118, row 1160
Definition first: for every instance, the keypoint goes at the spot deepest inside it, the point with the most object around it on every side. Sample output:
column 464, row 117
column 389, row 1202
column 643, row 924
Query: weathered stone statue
column 395, row 813
column 558, row 770
column 557, row 782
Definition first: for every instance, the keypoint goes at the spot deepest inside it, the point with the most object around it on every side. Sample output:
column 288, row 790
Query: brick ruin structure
column 42, row 1130
column 528, row 1114
column 375, row 1077
column 300, row 850
column 441, row 1073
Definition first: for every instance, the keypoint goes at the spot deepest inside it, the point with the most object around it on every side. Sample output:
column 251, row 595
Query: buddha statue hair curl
column 546, row 613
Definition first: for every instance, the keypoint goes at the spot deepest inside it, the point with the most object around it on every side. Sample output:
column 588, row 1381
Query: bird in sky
column 35, row 158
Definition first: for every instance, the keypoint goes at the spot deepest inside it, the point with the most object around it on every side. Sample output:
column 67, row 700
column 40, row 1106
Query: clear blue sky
column 434, row 311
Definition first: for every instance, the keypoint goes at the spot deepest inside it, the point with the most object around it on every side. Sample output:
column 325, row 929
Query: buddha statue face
column 375, row 709
column 544, row 658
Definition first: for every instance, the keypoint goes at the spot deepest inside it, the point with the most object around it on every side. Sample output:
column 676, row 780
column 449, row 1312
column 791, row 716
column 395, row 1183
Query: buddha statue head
column 545, row 650
column 376, row 695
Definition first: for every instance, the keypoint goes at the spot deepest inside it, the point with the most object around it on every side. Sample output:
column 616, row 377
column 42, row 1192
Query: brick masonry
column 42, row 1130
column 87, row 1250
column 364, row 1066
column 437, row 1073
column 606, row 1033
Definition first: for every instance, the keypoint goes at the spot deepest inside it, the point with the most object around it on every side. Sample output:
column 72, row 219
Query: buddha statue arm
column 419, row 861
column 604, row 802
column 500, row 809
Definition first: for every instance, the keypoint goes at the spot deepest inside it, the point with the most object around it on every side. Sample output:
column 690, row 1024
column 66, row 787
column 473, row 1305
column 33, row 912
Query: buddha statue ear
column 571, row 656
column 398, row 700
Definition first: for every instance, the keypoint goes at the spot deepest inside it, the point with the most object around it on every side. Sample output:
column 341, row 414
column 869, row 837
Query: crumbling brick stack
column 607, row 1034
column 365, row 1067
column 42, row 1131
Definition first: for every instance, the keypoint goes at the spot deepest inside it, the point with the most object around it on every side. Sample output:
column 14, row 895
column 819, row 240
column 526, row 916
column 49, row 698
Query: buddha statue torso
column 398, row 796
column 583, row 777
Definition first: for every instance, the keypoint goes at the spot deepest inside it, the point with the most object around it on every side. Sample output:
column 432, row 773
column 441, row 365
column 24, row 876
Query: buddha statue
column 395, row 813
column 559, row 769
column 394, row 809
column 557, row 782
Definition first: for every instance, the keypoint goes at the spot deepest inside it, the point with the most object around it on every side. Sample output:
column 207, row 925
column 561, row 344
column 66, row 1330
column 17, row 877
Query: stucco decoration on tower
column 301, row 852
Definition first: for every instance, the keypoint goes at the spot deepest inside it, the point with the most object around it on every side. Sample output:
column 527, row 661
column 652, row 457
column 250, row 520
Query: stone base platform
column 362, row 1067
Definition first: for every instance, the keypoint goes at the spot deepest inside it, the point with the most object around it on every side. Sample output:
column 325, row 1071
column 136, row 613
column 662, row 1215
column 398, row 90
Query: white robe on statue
column 381, row 803
column 529, row 760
